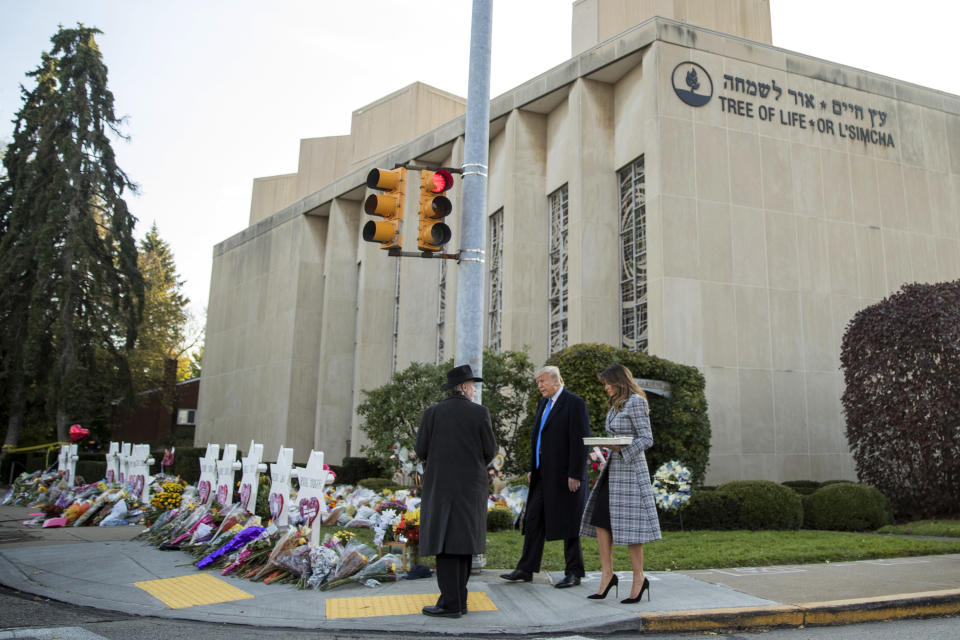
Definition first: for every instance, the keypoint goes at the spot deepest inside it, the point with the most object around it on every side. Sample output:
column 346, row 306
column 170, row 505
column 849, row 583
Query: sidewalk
column 102, row 567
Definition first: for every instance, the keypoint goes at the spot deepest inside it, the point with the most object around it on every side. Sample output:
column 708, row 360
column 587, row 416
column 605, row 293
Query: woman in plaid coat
column 621, row 507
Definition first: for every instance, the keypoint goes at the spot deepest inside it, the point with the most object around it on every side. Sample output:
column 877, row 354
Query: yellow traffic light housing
column 432, row 233
column 388, row 205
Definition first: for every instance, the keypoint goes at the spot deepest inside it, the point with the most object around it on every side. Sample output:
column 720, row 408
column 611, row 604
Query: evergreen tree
column 70, row 290
column 161, row 336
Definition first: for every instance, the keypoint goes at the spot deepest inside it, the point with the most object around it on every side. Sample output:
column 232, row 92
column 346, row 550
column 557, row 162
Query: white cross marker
column 208, row 474
column 310, row 498
column 280, row 472
column 113, row 465
column 249, row 481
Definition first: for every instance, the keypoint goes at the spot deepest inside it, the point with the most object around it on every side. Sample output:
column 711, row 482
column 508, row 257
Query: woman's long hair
column 624, row 386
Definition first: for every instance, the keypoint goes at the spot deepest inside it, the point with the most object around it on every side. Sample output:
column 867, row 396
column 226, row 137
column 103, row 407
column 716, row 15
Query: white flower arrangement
column 386, row 520
column 671, row 486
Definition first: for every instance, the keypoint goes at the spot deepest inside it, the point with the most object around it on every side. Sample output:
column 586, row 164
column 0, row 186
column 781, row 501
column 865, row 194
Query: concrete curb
column 837, row 612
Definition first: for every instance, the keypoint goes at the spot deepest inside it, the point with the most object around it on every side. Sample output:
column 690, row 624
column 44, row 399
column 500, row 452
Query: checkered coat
column 633, row 512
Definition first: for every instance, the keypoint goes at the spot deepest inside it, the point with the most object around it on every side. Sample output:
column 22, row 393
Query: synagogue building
column 680, row 185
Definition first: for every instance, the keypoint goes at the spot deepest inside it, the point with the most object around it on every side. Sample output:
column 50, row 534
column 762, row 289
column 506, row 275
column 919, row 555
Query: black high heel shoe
column 613, row 583
column 644, row 587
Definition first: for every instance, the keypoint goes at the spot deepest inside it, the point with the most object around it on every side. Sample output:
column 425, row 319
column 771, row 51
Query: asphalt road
column 24, row 616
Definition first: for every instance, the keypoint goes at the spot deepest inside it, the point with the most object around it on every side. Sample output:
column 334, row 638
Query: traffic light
column 388, row 205
column 432, row 233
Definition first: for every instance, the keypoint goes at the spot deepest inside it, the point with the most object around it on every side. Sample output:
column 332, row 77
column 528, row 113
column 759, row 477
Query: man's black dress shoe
column 517, row 576
column 569, row 580
column 434, row 610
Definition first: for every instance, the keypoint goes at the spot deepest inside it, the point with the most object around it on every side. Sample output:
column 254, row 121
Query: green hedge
column 355, row 469
column 681, row 430
column 711, row 510
column 186, row 463
column 91, row 470
column 803, row 487
column 499, row 519
column 846, row 507
column 764, row 504
column 376, row 484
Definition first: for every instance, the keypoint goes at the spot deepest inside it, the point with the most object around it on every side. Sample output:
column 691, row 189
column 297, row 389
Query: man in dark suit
column 455, row 442
column 558, row 480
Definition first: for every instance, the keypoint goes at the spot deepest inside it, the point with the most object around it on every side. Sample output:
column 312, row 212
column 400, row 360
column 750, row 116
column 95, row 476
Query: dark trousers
column 453, row 571
column 534, row 535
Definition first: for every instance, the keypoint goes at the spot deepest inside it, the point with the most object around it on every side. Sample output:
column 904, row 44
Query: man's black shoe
column 517, row 576
column 433, row 610
column 569, row 580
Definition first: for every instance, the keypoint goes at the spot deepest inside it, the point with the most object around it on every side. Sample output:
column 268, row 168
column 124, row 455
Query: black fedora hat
column 459, row 375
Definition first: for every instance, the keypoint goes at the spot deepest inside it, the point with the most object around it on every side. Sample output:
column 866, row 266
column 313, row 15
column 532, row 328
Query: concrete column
column 338, row 331
column 525, row 224
column 304, row 354
column 374, row 322
column 594, row 220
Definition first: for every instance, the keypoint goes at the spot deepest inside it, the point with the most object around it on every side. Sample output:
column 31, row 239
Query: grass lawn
column 718, row 549
column 943, row 528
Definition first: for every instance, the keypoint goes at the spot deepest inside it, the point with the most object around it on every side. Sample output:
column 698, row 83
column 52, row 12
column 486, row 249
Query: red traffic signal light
column 388, row 205
column 439, row 180
column 432, row 234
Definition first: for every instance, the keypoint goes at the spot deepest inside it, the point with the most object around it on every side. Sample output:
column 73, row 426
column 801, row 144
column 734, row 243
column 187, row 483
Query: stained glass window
column 557, row 243
column 633, row 257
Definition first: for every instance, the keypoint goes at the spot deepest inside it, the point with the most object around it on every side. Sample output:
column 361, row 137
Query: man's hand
column 573, row 484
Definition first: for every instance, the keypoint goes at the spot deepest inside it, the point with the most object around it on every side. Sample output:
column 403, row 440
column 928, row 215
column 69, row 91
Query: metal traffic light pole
column 470, row 291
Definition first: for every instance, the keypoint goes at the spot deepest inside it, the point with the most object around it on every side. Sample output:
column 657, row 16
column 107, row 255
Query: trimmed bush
column 711, row 510
column 681, row 429
column 499, row 519
column 803, row 487
column 376, row 484
column 901, row 369
column 91, row 471
column 186, row 463
column 764, row 504
column 846, row 507
column 354, row 469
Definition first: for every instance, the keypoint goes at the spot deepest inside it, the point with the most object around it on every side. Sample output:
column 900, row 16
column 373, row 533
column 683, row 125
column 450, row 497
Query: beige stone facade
column 799, row 193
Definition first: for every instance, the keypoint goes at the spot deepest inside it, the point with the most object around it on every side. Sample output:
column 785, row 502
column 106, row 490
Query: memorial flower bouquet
column 353, row 558
column 596, row 462
column 224, row 526
column 255, row 556
column 408, row 529
column 273, row 570
column 323, row 562
column 373, row 571
column 672, row 486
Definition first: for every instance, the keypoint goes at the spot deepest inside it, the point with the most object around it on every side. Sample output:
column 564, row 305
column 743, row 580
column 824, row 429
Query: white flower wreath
column 671, row 485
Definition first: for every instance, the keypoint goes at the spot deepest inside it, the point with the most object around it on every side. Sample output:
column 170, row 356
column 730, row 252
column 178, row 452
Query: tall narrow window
column 633, row 257
column 495, row 292
column 557, row 295
column 396, row 318
column 441, row 310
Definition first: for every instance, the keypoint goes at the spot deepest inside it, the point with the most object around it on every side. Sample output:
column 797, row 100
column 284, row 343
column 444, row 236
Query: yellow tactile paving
column 400, row 605
column 192, row 590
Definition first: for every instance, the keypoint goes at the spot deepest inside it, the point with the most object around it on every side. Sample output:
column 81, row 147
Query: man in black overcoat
column 558, row 480
column 455, row 442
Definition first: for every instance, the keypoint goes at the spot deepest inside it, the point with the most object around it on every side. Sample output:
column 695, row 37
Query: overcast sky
column 217, row 93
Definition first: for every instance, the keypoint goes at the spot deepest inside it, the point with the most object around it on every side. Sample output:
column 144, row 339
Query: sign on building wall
column 769, row 103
